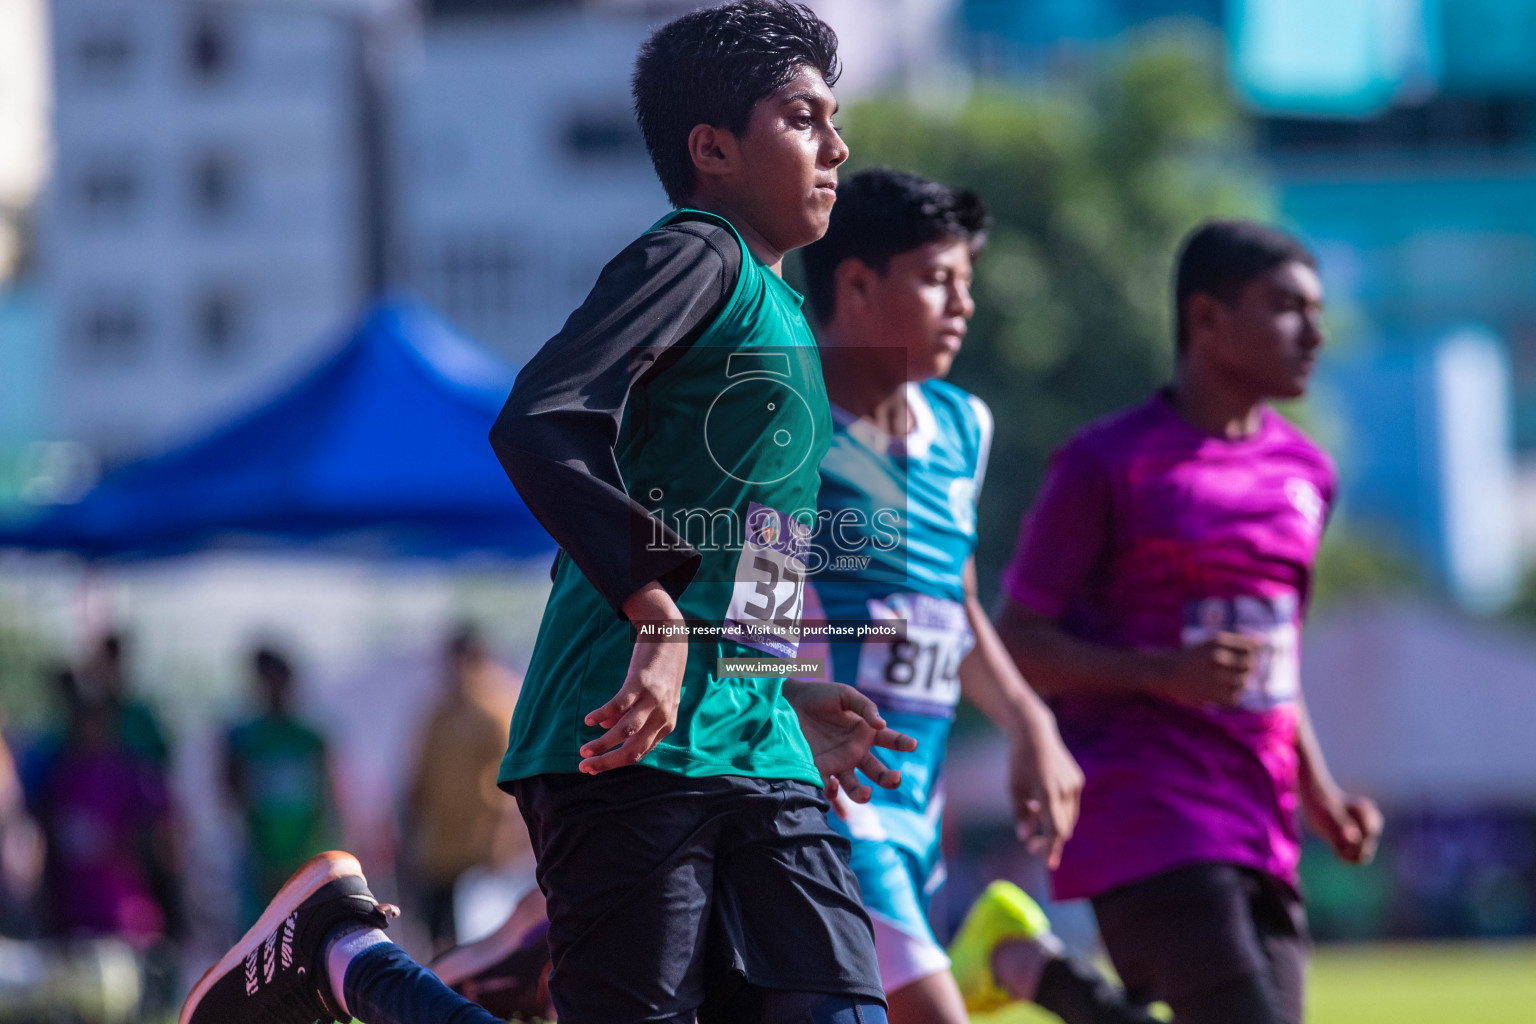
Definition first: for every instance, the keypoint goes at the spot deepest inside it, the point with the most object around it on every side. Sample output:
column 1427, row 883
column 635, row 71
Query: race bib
column 769, row 587
column 1276, row 675
column 921, row 674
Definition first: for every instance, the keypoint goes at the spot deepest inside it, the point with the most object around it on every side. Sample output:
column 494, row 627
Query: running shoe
column 507, row 972
column 276, row 973
column 1002, row 912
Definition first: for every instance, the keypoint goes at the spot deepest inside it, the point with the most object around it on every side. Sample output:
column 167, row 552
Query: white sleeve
column 983, row 438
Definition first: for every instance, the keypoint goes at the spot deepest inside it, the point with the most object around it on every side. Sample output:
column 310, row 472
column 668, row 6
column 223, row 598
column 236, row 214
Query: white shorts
column 903, row 956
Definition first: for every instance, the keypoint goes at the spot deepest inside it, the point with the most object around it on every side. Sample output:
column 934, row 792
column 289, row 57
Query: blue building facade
column 26, row 355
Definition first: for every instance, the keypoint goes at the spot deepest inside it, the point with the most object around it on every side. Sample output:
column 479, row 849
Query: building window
column 217, row 322
column 209, row 47
column 477, row 279
column 104, row 53
column 477, row 275
column 109, row 188
column 215, row 185
column 110, row 334
column 612, row 136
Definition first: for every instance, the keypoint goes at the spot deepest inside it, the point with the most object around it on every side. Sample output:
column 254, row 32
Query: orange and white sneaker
column 276, row 973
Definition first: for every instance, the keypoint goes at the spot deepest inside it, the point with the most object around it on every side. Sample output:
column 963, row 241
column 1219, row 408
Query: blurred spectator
column 457, row 817
column 106, row 817
column 278, row 775
column 93, row 982
column 21, row 851
column 136, row 723
column 138, row 731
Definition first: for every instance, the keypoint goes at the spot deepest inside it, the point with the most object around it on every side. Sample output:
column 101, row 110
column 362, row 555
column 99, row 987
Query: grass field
column 1411, row 983
column 1418, row 983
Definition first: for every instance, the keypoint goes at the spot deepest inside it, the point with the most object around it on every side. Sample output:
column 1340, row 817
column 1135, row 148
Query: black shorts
column 668, row 893
column 1216, row 942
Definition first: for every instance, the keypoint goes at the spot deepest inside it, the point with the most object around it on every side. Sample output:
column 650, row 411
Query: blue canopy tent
column 381, row 450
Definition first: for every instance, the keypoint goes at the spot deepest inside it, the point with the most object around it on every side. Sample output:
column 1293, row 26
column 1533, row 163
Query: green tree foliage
column 1353, row 563
column 25, row 657
column 1091, row 183
column 1523, row 611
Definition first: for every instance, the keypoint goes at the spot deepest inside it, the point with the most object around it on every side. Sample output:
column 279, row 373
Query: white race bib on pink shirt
column 1276, row 675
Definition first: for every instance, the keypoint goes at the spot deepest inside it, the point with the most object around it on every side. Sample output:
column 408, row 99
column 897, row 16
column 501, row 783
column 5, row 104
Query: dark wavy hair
column 882, row 213
column 1220, row 257
column 712, row 67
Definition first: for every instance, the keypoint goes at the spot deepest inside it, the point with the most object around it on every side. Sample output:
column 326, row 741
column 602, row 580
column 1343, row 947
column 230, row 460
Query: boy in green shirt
column 668, row 438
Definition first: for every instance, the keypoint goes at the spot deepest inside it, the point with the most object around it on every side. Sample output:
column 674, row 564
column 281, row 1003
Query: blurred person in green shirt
column 277, row 772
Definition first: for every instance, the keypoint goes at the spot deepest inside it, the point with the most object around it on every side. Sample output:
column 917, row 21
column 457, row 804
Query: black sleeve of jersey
column 556, row 435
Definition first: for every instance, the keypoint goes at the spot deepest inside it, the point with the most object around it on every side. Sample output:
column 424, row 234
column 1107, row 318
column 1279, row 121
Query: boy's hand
column 1045, row 784
column 1351, row 824
column 1213, row 672
column 842, row 727
column 644, row 710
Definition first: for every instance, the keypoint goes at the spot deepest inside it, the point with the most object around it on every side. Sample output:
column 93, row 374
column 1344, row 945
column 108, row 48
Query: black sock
column 1078, row 994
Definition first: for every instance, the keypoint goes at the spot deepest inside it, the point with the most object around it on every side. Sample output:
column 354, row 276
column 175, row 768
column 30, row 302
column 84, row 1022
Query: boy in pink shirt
column 1157, row 595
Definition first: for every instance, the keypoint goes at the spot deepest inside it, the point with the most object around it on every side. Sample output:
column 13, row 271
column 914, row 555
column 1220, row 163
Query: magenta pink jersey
column 1150, row 533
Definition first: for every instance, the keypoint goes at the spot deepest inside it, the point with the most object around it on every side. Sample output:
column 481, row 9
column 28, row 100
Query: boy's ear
column 852, row 283
column 1203, row 315
column 713, row 150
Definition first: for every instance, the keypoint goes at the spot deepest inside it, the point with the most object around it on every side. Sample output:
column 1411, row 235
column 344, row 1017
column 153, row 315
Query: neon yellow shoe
column 1003, row 911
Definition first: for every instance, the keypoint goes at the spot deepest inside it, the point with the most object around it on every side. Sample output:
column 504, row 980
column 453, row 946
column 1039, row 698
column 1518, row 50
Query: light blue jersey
column 902, row 516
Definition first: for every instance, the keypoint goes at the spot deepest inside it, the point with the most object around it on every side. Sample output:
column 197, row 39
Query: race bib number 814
column 921, row 674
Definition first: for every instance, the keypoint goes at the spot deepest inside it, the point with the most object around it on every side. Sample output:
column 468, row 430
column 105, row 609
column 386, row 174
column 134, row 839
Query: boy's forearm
column 1315, row 776
column 617, row 544
column 651, row 603
column 990, row 680
column 1059, row 664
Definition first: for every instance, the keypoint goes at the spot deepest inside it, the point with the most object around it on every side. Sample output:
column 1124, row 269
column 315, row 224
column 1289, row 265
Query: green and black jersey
column 671, row 432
